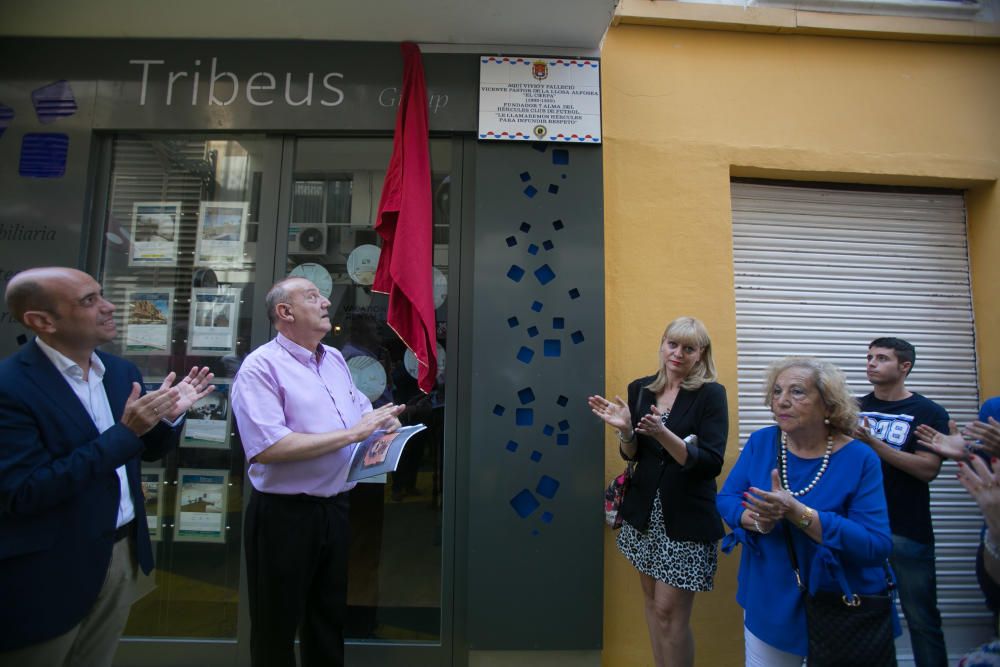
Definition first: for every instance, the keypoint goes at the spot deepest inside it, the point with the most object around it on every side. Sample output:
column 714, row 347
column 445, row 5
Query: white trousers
column 761, row 654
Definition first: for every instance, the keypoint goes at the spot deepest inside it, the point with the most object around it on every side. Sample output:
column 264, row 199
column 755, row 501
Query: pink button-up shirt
column 283, row 388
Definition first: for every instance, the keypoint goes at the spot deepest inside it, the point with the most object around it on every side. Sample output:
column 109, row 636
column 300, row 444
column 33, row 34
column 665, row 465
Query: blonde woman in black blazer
column 674, row 425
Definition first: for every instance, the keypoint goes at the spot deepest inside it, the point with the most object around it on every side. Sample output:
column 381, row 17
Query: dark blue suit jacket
column 59, row 494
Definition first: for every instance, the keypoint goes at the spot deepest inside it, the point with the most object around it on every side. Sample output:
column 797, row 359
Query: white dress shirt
column 95, row 401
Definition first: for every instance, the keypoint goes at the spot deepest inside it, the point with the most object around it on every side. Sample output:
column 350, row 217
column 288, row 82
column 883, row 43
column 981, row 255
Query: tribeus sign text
column 259, row 88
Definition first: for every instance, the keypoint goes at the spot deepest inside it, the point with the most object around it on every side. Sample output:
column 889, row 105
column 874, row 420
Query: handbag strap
column 841, row 577
column 784, row 524
column 791, row 555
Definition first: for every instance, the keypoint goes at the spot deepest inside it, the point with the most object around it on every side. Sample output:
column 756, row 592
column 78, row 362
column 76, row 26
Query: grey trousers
column 93, row 642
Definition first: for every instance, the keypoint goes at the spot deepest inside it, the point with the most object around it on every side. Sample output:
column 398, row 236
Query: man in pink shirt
column 300, row 418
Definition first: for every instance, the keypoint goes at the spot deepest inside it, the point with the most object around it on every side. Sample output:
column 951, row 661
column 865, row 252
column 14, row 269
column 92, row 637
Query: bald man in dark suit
column 74, row 424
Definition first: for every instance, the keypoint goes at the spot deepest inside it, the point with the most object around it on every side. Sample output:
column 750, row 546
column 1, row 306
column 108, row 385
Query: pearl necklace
column 819, row 473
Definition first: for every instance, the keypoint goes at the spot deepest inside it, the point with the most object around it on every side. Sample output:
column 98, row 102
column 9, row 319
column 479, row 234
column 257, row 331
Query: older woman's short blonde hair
column 832, row 386
column 688, row 331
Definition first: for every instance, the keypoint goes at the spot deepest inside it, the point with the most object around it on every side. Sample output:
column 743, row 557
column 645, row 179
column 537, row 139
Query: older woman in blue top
column 810, row 472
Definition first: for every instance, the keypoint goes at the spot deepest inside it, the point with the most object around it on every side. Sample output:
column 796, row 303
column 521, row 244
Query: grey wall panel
column 536, row 455
column 247, row 85
column 42, row 219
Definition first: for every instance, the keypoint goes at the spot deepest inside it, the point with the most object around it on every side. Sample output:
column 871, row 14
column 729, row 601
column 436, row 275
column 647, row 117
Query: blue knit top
column 850, row 503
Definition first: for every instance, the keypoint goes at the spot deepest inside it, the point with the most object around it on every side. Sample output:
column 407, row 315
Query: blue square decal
column 547, row 487
column 545, row 274
column 524, row 503
column 43, row 155
column 53, row 102
column 6, row 115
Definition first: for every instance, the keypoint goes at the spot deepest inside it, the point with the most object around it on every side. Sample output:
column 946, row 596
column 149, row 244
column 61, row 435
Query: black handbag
column 845, row 629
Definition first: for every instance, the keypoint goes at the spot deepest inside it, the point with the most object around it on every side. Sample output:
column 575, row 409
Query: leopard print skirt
column 686, row 565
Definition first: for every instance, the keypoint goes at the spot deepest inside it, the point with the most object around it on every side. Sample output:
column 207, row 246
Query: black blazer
column 59, row 494
column 687, row 492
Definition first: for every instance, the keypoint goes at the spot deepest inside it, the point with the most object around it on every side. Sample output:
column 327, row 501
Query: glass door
column 185, row 220
column 396, row 563
column 194, row 230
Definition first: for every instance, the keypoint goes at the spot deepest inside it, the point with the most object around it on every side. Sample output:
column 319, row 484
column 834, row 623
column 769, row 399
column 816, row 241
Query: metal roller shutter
column 823, row 272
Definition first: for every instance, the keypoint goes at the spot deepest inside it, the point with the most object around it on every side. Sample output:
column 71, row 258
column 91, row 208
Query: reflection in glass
column 179, row 264
column 394, row 590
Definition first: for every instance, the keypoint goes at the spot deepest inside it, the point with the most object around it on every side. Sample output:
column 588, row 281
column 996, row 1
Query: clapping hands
column 143, row 412
column 614, row 413
column 983, row 485
column 983, row 436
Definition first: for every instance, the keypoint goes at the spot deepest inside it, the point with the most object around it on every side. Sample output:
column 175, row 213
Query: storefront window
column 179, row 264
column 394, row 590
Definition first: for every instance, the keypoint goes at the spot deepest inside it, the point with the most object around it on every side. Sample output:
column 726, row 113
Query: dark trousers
column 297, row 550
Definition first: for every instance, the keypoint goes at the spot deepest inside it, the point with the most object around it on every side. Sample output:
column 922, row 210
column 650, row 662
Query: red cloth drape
column 405, row 224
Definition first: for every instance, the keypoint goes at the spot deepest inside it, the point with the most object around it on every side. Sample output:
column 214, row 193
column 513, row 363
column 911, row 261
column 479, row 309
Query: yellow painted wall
column 686, row 109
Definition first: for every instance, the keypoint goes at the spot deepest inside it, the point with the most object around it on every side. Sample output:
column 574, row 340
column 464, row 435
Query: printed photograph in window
column 155, row 231
column 222, row 230
column 208, row 421
column 201, row 505
column 148, row 316
column 214, row 315
column 152, row 492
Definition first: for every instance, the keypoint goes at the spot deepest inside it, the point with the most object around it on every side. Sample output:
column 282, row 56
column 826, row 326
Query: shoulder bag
column 614, row 495
column 846, row 629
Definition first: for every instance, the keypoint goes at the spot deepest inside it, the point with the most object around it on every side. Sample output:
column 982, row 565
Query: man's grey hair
column 279, row 293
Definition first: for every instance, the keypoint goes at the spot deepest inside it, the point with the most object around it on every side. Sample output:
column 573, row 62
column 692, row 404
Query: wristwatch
column 806, row 519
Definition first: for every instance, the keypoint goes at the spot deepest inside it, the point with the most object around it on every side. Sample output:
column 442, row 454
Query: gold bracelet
column 806, row 519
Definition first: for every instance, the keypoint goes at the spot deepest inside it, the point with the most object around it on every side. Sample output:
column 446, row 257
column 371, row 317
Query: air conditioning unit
column 307, row 239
